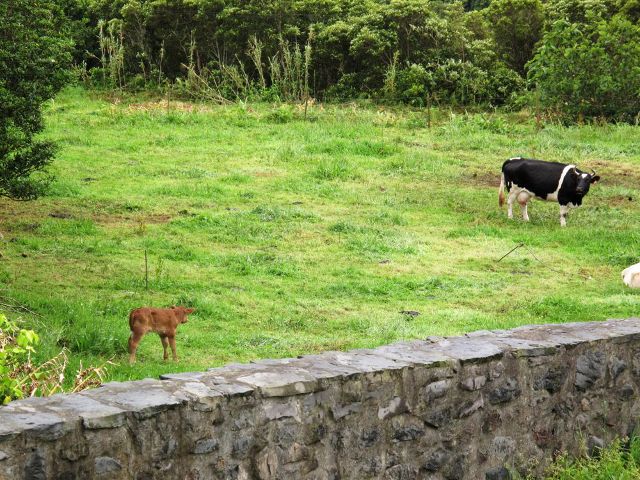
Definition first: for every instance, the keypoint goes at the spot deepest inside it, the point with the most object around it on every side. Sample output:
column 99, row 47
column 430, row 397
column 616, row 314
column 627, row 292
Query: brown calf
column 163, row 321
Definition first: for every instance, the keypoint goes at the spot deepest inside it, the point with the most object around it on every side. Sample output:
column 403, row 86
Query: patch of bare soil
column 265, row 174
column 620, row 201
column 619, row 174
column 164, row 106
column 112, row 219
column 484, row 179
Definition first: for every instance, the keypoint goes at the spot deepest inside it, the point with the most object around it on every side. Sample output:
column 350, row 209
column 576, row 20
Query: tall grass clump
column 620, row 461
column 283, row 76
column 111, row 41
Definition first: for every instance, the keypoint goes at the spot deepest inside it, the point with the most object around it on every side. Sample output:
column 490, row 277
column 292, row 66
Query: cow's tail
column 501, row 190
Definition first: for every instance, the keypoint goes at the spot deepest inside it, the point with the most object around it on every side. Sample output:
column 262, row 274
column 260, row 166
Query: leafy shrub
column 35, row 53
column 413, row 85
column 347, row 88
column 461, row 83
column 20, row 377
column 589, row 70
column 16, row 347
column 620, row 461
column 504, row 85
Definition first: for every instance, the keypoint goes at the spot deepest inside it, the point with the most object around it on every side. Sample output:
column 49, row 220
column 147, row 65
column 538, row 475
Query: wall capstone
column 480, row 406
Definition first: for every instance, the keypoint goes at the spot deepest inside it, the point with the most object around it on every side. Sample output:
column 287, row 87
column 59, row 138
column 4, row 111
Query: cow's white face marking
column 554, row 195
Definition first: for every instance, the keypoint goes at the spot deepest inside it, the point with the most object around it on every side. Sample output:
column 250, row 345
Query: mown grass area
column 294, row 236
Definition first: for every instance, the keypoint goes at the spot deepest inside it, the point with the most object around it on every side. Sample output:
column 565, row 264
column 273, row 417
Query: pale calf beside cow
column 631, row 276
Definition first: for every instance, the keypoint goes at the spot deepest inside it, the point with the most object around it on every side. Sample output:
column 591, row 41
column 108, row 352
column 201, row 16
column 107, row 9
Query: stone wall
column 472, row 407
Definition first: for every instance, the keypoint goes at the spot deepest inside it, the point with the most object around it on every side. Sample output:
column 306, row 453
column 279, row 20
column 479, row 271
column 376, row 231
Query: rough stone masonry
column 475, row 407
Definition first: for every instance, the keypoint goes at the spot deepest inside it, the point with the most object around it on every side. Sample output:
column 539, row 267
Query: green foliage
column 416, row 52
column 21, row 376
column 589, row 70
column 243, row 50
column 34, row 59
column 413, row 85
column 516, row 27
column 580, row 11
column 457, row 83
column 16, row 347
column 631, row 10
column 620, row 461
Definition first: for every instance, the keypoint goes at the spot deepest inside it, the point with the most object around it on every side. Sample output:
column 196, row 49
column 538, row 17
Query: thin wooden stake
column 513, row 249
column 146, row 271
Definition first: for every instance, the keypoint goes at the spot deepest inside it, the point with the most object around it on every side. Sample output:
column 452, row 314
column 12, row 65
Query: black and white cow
column 526, row 178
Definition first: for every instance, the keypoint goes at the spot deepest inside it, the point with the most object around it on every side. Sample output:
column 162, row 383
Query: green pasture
column 294, row 235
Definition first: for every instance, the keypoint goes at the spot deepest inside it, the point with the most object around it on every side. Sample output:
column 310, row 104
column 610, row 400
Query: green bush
column 21, row 377
column 413, row 85
column 589, row 70
column 620, row 461
column 16, row 347
column 35, row 52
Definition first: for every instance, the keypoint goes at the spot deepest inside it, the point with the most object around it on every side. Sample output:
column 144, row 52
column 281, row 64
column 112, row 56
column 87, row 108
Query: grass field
column 293, row 236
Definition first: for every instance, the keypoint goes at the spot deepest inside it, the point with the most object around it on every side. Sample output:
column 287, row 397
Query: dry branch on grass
column 48, row 378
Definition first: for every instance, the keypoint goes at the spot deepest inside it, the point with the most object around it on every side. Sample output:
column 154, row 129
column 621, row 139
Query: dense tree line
column 572, row 58
column 582, row 53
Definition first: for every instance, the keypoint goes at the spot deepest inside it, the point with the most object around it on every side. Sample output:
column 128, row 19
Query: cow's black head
column 584, row 181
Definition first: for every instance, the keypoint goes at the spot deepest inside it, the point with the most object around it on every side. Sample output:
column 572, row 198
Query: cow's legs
column 165, row 344
column 564, row 210
column 523, row 198
column 510, row 199
column 134, row 340
column 172, row 342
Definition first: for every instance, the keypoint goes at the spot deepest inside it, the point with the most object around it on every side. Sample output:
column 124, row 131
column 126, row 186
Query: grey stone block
column 590, row 367
column 505, row 393
column 104, row 465
column 282, row 382
column 498, row 473
column 205, row 445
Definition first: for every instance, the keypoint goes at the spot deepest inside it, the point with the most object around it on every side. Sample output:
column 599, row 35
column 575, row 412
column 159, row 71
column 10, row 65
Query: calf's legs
column 167, row 340
column 165, row 344
column 134, row 340
column 172, row 342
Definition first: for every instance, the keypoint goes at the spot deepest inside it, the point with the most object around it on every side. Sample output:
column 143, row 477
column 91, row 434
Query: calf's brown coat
column 162, row 321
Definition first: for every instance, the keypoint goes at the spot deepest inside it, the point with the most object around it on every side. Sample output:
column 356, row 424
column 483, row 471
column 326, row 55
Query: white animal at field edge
column 631, row 276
